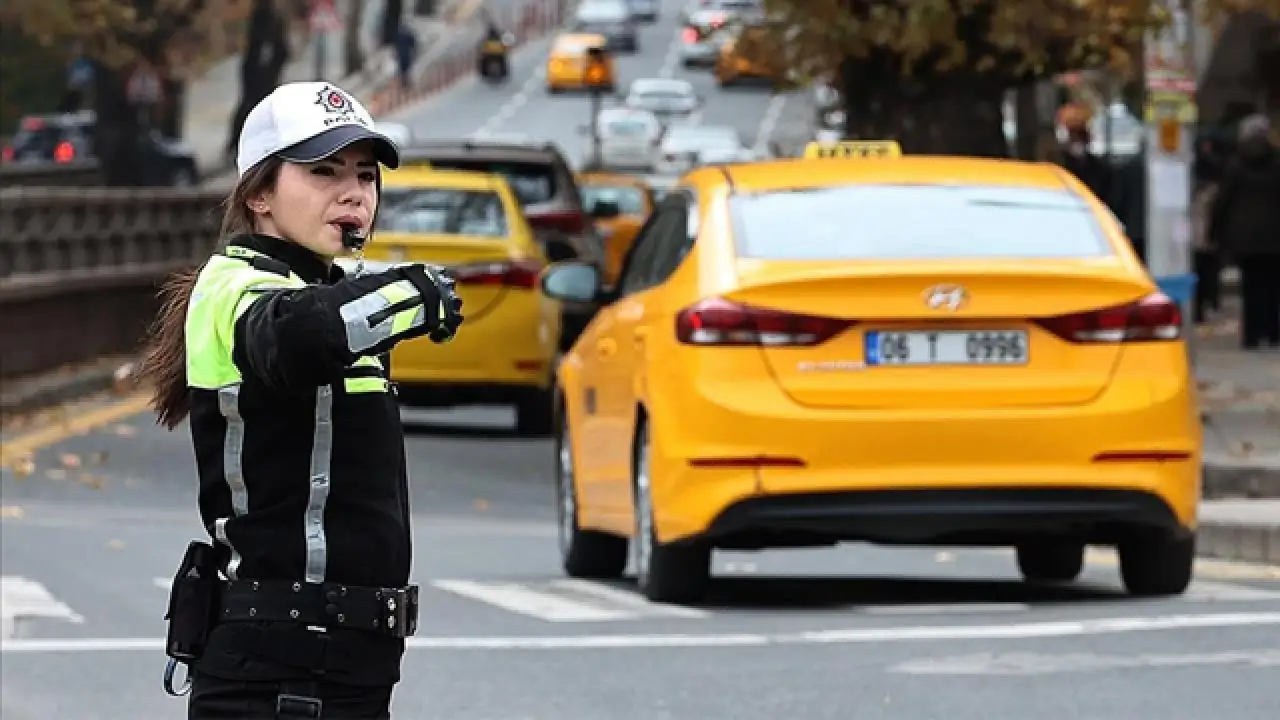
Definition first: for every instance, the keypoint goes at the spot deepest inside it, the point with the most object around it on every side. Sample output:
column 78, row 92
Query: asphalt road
column 89, row 540
column 521, row 106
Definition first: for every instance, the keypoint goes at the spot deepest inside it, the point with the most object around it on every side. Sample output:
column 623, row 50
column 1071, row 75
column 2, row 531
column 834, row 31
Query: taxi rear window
column 441, row 211
column 902, row 222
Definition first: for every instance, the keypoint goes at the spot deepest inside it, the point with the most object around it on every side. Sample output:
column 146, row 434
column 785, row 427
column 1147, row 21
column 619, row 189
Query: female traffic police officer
column 275, row 356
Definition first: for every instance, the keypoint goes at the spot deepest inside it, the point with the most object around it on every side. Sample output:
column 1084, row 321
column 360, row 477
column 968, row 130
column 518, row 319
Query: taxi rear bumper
column 936, row 516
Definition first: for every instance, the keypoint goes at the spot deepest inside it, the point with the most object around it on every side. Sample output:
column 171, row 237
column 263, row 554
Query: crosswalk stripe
column 527, row 601
column 627, row 599
column 20, row 597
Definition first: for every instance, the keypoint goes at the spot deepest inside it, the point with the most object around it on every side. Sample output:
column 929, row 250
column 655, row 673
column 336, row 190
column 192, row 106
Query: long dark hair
column 164, row 363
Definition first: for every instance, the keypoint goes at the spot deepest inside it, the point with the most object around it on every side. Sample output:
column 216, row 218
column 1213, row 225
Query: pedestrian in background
column 1245, row 222
column 275, row 355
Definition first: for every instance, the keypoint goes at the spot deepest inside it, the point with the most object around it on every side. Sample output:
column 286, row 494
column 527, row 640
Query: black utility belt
column 385, row 611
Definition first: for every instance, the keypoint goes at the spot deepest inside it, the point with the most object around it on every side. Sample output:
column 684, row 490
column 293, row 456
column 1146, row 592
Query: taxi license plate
column 951, row 347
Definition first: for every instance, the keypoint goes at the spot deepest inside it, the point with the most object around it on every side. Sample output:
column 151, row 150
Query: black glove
column 443, row 306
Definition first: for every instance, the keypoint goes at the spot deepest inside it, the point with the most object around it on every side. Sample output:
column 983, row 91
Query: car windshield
column 630, row 199
column 694, row 139
column 885, row 222
column 442, row 211
column 531, row 182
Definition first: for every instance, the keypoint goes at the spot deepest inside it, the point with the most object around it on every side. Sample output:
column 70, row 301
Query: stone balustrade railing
column 80, row 268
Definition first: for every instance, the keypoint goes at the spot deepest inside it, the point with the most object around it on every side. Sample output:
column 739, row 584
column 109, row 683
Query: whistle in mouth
column 352, row 237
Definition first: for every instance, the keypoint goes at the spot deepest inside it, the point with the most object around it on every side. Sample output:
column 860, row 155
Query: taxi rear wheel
column 535, row 413
column 1051, row 560
column 666, row 573
column 1157, row 564
column 584, row 554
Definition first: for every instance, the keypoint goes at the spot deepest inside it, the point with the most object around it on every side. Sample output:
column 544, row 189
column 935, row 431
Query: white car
column 685, row 147
column 645, row 10
column 628, row 140
column 667, row 99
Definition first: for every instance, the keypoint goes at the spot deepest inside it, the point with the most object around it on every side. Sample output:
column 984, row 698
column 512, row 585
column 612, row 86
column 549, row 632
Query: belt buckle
column 401, row 608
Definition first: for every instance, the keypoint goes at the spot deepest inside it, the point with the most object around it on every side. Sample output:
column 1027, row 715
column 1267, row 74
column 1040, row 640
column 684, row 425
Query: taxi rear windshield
column 441, row 211
column 904, row 222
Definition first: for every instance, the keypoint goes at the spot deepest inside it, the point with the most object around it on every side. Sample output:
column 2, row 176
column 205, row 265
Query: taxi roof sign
column 853, row 149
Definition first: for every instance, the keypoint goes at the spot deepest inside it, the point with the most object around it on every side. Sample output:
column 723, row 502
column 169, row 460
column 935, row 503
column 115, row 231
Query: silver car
column 613, row 20
column 668, row 100
column 628, row 140
column 685, row 147
column 645, row 10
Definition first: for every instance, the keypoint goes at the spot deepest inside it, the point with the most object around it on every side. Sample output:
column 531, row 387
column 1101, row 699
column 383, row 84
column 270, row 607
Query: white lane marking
column 510, row 107
column 20, row 597
column 672, row 58
column 626, row 599
column 768, row 122
column 858, row 636
column 517, row 598
column 944, row 609
column 1027, row 663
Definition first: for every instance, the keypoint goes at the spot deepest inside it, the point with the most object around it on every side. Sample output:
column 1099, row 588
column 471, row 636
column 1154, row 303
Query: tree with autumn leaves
column 933, row 73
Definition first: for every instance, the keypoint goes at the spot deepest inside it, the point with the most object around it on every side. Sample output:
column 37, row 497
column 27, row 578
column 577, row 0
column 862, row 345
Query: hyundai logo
column 946, row 297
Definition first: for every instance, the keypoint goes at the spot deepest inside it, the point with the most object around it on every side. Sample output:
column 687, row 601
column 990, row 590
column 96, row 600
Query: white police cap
column 309, row 121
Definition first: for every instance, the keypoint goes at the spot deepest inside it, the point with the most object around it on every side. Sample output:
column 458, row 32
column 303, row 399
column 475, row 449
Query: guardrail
column 80, row 268
column 73, row 174
column 528, row 22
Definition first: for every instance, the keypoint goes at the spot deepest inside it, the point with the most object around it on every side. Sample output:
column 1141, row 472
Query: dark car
column 544, row 184
column 69, row 137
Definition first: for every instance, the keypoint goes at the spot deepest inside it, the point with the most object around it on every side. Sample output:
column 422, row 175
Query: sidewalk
column 216, row 94
column 1240, row 398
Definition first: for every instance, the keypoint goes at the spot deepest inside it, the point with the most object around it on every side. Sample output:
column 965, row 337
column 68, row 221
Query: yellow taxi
column 620, row 204
column 471, row 222
column 750, row 53
column 898, row 350
column 569, row 63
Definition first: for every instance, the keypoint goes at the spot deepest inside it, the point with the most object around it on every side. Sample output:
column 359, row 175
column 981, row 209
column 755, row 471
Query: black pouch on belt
column 193, row 603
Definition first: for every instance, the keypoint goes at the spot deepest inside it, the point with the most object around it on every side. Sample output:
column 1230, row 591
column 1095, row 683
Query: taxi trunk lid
column 486, row 269
column 864, row 335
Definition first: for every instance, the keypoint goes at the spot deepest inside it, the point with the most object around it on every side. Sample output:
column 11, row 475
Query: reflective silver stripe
column 321, row 451
column 356, row 313
column 232, row 468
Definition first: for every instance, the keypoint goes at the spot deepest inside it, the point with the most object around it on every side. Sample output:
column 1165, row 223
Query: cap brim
column 335, row 139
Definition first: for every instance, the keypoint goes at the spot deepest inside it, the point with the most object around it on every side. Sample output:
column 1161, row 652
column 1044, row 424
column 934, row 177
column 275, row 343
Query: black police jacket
column 299, row 448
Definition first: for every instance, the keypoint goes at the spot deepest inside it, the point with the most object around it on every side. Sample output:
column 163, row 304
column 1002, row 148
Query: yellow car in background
column 471, row 222
column 633, row 201
column 900, row 350
column 567, row 62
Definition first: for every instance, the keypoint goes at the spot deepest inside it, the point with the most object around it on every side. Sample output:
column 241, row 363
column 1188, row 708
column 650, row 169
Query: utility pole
column 597, row 77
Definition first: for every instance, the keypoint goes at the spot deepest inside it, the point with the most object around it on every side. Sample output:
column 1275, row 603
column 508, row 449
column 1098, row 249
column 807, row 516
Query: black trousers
column 217, row 699
column 1260, row 301
column 1208, row 269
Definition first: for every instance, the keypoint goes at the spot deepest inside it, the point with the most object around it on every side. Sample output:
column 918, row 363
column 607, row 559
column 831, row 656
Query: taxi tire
column 1157, row 564
column 535, row 414
column 679, row 572
column 1050, row 560
column 587, row 554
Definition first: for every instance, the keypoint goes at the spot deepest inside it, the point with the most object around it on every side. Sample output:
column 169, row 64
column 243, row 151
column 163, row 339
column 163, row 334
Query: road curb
column 1257, row 543
column 46, row 391
column 1230, row 478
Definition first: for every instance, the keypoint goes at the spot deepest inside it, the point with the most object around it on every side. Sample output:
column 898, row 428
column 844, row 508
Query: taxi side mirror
column 571, row 282
column 605, row 209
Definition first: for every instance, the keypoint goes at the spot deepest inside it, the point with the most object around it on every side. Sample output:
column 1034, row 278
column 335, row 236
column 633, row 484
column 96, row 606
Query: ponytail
column 164, row 363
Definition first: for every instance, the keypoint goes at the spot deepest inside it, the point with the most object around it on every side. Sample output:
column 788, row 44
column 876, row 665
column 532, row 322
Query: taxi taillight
column 1154, row 318
column 721, row 322
column 64, row 152
column 519, row 274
